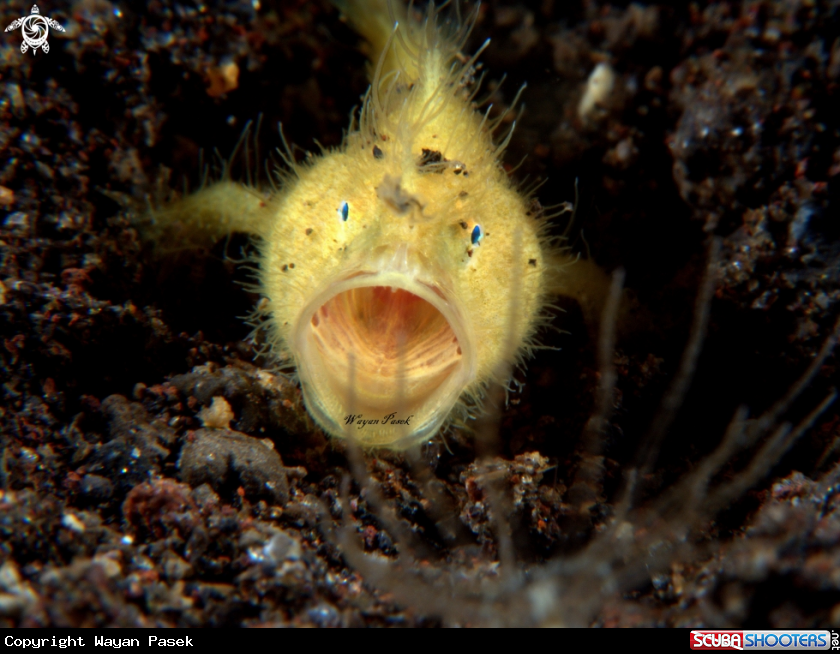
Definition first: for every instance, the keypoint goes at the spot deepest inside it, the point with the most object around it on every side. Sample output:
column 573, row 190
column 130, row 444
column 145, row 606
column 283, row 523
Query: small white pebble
column 110, row 563
column 598, row 87
column 218, row 415
column 277, row 549
column 72, row 523
column 280, row 547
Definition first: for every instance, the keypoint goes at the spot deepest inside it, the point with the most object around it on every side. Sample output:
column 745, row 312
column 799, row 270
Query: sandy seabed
column 125, row 503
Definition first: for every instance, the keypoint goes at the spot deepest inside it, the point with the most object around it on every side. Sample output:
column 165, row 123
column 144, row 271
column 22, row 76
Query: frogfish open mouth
column 384, row 341
column 403, row 271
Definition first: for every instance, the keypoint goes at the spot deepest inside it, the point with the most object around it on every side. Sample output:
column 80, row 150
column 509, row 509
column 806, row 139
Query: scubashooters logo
column 765, row 640
column 35, row 29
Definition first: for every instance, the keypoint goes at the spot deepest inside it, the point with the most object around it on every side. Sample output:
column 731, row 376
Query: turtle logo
column 35, row 28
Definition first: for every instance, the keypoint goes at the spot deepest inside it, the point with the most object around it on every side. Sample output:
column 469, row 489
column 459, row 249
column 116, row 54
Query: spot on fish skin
column 377, row 153
column 477, row 235
column 343, row 211
column 430, row 157
column 308, row 231
column 532, row 262
column 390, row 191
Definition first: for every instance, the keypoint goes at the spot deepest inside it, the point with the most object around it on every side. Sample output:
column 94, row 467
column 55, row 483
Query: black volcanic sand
column 122, row 506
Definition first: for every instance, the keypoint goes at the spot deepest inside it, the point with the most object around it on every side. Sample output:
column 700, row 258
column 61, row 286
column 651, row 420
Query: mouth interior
column 400, row 347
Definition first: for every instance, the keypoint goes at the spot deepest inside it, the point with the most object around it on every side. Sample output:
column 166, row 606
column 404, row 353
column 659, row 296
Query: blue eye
column 477, row 235
column 343, row 211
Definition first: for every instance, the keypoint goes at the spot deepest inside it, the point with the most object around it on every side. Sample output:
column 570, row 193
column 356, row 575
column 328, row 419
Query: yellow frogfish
column 402, row 272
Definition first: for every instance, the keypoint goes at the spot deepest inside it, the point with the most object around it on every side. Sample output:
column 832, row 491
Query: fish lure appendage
column 402, row 272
